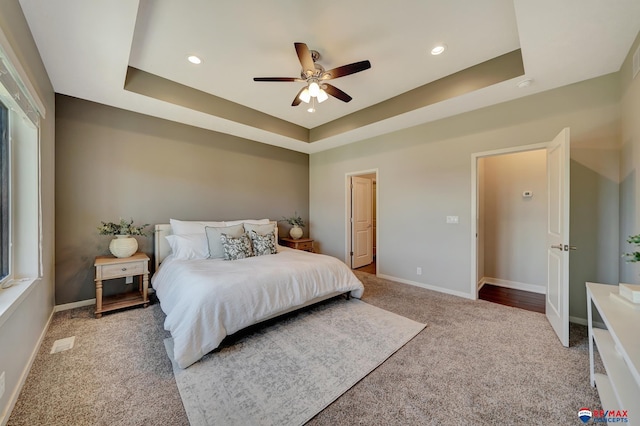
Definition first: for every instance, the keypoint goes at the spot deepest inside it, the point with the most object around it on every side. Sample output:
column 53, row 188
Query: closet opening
column 511, row 227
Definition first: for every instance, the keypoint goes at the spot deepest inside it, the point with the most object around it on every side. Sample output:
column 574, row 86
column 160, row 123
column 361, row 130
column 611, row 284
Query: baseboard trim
column 25, row 373
column 480, row 284
column 80, row 304
column 583, row 321
column 514, row 285
column 428, row 287
column 578, row 320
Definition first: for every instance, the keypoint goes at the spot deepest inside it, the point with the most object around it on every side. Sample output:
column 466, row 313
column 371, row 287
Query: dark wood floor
column 370, row 268
column 510, row 297
column 492, row 293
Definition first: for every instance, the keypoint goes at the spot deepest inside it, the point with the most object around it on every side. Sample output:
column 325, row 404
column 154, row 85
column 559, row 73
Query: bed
column 206, row 299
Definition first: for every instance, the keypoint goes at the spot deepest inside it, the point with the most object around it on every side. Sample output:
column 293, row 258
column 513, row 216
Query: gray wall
column 515, row 228
column 112, row 163
column 21, row 332
column 425, row 175
column 630, row 162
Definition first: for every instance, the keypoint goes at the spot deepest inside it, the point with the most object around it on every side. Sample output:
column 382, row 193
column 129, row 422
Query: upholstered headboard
column 161, row 247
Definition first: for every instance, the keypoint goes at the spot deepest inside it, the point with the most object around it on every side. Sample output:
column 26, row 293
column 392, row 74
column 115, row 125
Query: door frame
column 475, row 201
column 347, row 219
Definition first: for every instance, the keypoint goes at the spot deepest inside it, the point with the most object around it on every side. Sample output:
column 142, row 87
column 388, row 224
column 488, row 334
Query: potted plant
column 124, row 245
column 633, row 256
column 297, row 223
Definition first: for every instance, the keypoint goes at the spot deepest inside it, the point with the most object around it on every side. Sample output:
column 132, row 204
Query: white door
column 557, row 300
column 362, row 222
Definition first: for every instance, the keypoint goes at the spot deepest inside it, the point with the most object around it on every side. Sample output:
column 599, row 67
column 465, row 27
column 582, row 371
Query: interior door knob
column 557, row 246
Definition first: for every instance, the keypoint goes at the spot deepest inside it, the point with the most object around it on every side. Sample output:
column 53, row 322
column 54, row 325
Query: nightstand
column 108, row 267
column 305, row 244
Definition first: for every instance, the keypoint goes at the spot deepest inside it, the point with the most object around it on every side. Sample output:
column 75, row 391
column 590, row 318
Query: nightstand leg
column 98, row 298
column 145, row 289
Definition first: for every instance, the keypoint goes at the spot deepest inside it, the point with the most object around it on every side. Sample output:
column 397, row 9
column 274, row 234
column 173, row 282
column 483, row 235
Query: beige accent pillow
column 252, row 221
column 261, row 229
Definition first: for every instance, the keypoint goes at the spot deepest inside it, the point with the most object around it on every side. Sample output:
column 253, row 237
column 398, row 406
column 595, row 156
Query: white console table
column 619, row 349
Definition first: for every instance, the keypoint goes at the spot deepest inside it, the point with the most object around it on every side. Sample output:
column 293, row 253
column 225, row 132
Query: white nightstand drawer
column 122, row 270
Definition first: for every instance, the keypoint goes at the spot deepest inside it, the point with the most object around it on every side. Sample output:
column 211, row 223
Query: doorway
column 556, row 232
column 361, row 228
column 512, row 224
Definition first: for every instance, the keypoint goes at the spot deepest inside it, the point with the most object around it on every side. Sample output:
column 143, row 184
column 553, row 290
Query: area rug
column 289, row 370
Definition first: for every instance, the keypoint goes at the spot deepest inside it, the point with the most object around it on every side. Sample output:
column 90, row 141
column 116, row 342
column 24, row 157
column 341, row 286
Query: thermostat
column 527, row 194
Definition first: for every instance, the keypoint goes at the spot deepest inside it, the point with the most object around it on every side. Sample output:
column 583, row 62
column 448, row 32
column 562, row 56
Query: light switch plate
column 452, row 219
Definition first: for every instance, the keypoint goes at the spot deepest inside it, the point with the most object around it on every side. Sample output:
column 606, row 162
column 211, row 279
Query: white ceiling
column 86, row 47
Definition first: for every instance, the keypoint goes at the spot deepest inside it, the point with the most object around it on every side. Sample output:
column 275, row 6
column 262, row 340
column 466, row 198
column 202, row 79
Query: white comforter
column 206, row 300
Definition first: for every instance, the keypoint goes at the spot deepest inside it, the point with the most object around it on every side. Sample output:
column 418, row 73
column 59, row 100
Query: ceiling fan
column 315, row 76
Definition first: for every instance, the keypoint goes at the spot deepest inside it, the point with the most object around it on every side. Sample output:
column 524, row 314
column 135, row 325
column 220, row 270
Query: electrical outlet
column 128, row 280
column 419, row 271
column 1, row 384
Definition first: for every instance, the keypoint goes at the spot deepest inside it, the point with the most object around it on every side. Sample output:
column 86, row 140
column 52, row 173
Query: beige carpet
column 287, row 372
column 477, row 363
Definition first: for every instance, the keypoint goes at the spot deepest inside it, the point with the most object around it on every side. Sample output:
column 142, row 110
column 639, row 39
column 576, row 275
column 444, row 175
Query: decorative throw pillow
column 263, row 229
column 263, row 244
column 216, row 250
column 236, row 248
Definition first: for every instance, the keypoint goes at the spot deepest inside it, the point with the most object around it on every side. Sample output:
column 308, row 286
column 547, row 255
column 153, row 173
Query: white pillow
column 250, row 221
column 215, row 247
column 188, row 246
column 181, row 227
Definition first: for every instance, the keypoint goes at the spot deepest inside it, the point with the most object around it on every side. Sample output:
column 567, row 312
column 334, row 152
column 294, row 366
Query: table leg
column 145, row 289
column 98, row 298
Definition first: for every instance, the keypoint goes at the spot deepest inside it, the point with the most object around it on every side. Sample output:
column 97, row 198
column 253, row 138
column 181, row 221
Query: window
column 20, row 210
column 5, row 206
column 20, row 253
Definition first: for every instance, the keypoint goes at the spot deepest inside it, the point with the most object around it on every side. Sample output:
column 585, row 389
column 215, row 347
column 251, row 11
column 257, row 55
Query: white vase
column 295, row 232
column 123, row 246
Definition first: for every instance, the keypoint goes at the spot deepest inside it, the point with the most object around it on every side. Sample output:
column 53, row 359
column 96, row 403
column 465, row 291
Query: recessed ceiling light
column 437, row 50
column 194, row 59
column 524, row 83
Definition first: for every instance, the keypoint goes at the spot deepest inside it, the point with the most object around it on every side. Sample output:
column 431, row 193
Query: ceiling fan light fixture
column 314, row 89
column 305, row 96
column 322, row 96
column 311, row 109
column 194, row 59
column 439, row 49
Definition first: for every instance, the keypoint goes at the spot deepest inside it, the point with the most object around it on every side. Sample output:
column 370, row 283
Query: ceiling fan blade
column 277, row 79
column 297, row 100
column 336, row 93
column 304, row 55
column 346, row 70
